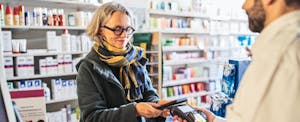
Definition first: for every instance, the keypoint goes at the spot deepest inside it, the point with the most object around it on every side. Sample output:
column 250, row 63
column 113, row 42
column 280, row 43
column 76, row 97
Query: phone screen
column 186, row 108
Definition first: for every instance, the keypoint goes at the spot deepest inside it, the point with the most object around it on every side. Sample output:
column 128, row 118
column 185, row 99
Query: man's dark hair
column 292, row 2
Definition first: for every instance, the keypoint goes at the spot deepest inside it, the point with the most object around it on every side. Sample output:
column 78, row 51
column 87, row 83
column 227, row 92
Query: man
column 270, row 88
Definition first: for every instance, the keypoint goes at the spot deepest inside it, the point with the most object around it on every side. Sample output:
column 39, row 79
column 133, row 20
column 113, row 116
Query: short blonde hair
column 101, row 16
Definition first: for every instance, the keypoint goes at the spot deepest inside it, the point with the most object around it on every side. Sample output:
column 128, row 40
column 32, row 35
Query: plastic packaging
column 21, row 15
column 2, row 14
column 47, row 92
column 23, row 45
column 66, row 41
column 15, row 46
column 8, row 16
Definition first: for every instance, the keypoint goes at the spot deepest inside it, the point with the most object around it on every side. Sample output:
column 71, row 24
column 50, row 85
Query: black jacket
column 101, row 96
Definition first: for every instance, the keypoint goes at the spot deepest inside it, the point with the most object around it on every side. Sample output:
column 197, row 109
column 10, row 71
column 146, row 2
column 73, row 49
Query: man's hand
column 210, row 116
column 165, row 112
column 249, row 53
column 147, row 109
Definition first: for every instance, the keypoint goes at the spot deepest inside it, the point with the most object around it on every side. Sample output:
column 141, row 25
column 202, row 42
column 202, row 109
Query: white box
column 70, row 90
column 21, row 66
column 29, row 84
column 58, row 42
column 73, row 43
column 6, row 41
column 21, row 85
column 54, row 65
column 67, row 63
column 64, row 91
column 43, row 66
column 56, row 89
column 48, row 65
column 51, row 41
column 9, row 67
column 37, row 83
column 60, row 67
column 30, row 65
column 84, row 43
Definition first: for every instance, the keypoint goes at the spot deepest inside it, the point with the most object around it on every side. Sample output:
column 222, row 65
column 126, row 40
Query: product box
column 60, row 67
column 21, row 85
column 21, row 66
column 30, row 66
column 37, row 83
column 31, row 104
column 56, row 89
column 43, row 66
column 64, row 85
column 49, row 68
column 58, row 44
column 6, row 41
column 9, row 68
column 51, row 41
column 67, row 63
column 54, row 66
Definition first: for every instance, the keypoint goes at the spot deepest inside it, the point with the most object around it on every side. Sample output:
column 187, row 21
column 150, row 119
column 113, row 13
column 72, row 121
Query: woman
column 113, row 84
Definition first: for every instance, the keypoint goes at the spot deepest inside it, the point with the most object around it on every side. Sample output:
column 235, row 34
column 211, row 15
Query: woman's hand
column 210, row 116
column 165, row 112
column 147, row 109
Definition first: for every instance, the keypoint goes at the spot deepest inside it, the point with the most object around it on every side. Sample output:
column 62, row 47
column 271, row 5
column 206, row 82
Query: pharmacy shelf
column 186, row 61
column 175, row 31
column 187, row 81
column 41, row 76
column 176, row 14
column 197, row 94
column 180, row 48
column 228, row 19
column 222, row 48
column 44, row 53
column 45, row 27
column 70, row 4
column 61, row 100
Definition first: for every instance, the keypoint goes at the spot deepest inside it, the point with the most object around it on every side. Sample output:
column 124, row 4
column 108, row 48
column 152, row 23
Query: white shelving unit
column 178, row 31
column 187, row 81
column 4, row 89
column 197, row 94
column 44, row 27
column 44, row 54
column 180, row 48
column 176, row 14
column 42, row 76
column 186, row 61
column 57, row 3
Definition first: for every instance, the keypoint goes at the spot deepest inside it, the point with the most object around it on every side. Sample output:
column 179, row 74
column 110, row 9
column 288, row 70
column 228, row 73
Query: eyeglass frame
column 123, row 29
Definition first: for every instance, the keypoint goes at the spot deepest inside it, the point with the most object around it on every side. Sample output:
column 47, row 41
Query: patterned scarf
column 128, row 59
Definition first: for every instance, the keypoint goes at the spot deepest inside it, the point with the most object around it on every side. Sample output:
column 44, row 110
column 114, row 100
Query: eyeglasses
column 119, row 30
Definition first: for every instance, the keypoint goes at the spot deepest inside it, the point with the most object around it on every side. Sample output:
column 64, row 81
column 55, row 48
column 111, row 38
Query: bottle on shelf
column 47, row 92
column 2, row 14
column 66, row 41
column 8, row 16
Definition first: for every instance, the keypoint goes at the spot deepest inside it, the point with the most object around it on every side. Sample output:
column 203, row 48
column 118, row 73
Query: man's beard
column 256, row 17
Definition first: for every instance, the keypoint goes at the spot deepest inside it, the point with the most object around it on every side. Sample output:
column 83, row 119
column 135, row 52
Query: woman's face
column 118, row 21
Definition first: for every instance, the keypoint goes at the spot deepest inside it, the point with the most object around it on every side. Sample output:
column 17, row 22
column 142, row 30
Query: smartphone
column 174, row 102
